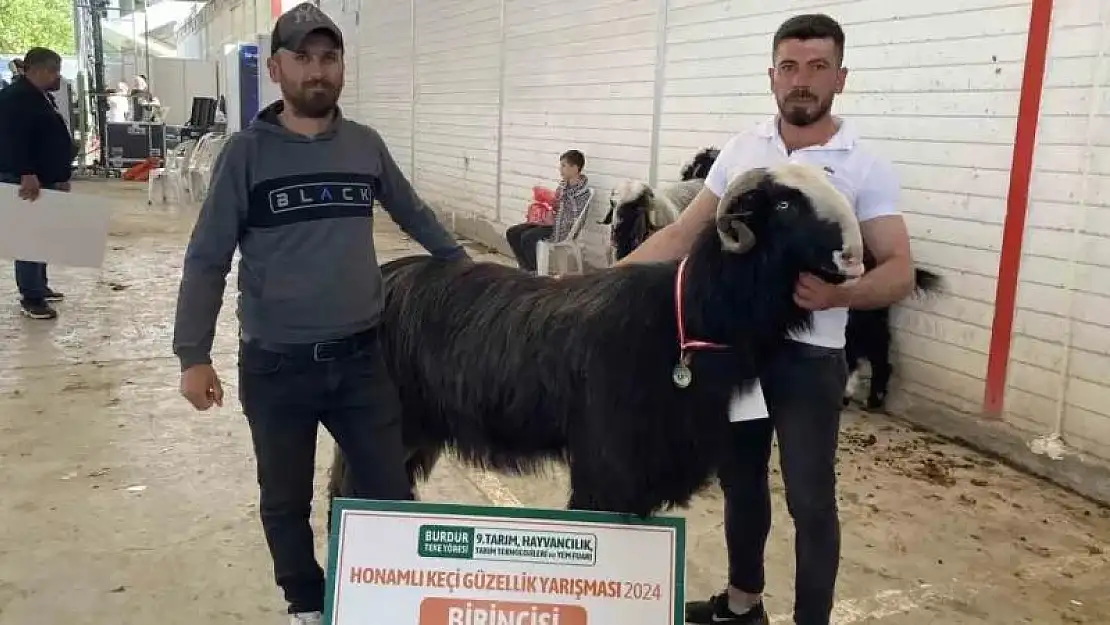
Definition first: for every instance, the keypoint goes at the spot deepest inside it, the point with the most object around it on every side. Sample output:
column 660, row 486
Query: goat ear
column 736, row 236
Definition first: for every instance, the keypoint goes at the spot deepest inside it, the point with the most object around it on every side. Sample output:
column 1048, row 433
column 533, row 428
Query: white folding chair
column 546, row 249
column 156, row 179
column 204, row 168
column 200, row 168
column 192, row 176
column 171, row 175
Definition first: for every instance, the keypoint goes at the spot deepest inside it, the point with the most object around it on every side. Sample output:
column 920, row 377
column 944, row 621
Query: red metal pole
column 1017, row 204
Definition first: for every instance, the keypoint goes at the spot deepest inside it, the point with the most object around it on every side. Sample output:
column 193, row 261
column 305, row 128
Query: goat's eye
column 783, row 205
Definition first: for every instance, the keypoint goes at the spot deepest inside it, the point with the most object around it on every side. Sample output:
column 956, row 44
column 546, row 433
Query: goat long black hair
column 512, row 370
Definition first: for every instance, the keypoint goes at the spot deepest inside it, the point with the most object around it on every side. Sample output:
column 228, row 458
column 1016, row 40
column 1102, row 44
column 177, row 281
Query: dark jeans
column 284, row 397
column 522, row 239
column 802, row 386
column 30, row 276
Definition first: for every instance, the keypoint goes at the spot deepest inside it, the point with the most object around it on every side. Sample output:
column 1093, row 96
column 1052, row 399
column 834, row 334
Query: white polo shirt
column 866, row 179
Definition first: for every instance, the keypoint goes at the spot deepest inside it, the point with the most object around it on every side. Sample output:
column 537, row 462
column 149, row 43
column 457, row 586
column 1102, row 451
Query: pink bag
column 542, row 209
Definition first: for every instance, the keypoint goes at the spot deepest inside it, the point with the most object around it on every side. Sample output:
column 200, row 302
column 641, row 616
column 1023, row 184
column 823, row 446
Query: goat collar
column 682, row 375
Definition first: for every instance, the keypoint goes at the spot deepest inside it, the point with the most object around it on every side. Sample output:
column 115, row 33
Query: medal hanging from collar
column 682, row 376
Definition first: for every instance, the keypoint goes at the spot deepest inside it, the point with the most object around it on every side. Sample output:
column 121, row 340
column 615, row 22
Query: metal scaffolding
column 94, row 59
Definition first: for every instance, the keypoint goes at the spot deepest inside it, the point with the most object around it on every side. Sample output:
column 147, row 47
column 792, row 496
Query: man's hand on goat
column 813, row 293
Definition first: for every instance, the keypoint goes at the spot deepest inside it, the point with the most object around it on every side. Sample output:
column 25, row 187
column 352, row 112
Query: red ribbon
column 683, row 344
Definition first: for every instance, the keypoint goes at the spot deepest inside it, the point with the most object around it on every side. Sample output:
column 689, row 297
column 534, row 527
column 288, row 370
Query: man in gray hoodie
column 294, row 193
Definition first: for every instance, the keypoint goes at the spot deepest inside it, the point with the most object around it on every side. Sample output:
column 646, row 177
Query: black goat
column 512, row 370
column 868, row 337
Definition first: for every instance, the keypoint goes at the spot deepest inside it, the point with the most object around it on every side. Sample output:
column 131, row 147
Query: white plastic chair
column 199, row 170
column 157, row 179
column 171, row 175
column 191, row 176
column 204, row 167
column 189, row 173
column 546, row 249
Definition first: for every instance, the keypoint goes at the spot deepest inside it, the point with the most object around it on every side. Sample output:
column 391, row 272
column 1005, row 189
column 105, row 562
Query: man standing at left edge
column 36, row 152
column 294, row 192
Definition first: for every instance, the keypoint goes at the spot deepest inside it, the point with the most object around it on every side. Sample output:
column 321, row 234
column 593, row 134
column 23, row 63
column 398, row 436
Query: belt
column 323, row 351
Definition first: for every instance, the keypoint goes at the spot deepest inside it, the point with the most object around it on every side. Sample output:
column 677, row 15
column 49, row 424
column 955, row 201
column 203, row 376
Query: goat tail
column 926, row 282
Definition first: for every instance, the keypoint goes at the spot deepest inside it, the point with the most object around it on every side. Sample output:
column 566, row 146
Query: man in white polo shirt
column 803, row 385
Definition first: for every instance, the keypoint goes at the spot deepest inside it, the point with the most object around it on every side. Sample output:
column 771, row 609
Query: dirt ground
column 120, row 504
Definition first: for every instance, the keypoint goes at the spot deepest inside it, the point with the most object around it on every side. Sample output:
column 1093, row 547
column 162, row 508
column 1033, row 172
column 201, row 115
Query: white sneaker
column 307, row 618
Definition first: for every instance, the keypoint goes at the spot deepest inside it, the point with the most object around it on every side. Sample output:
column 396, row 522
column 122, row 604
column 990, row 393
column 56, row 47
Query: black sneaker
column 38, row 310
column 54, row 296
column 716, row 611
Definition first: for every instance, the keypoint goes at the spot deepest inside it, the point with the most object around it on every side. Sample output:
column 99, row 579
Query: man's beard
column 314, row 101
column 795, row 109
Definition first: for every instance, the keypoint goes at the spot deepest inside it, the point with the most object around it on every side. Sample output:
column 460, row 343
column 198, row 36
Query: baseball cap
column 297, row 23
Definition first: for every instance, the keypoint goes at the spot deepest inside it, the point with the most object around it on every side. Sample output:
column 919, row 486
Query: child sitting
column 571, row 199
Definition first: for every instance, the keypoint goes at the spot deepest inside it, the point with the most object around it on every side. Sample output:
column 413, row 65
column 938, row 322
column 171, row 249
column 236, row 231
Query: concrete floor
column 120, row 504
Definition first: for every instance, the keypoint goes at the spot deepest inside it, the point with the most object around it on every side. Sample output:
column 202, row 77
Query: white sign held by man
column 59, row 228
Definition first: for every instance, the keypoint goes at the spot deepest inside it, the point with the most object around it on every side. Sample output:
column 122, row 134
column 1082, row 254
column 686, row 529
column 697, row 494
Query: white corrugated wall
column 386, row 64
column 221, row 22
column 191, row 45
column 456, row 124
column 1059, row 371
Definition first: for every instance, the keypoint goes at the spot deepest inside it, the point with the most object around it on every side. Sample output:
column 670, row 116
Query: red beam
column 1017, row 204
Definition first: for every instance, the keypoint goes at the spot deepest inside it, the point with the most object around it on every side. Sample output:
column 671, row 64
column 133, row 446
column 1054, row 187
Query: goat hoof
column 876, row 405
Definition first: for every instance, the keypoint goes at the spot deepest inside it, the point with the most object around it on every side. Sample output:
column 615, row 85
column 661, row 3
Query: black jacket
column 33, row 136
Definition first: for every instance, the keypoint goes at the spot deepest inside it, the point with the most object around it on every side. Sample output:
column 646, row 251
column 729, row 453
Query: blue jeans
column 30, row 276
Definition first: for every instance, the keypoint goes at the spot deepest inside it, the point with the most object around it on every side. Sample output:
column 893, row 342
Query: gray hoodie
column 300, row 211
